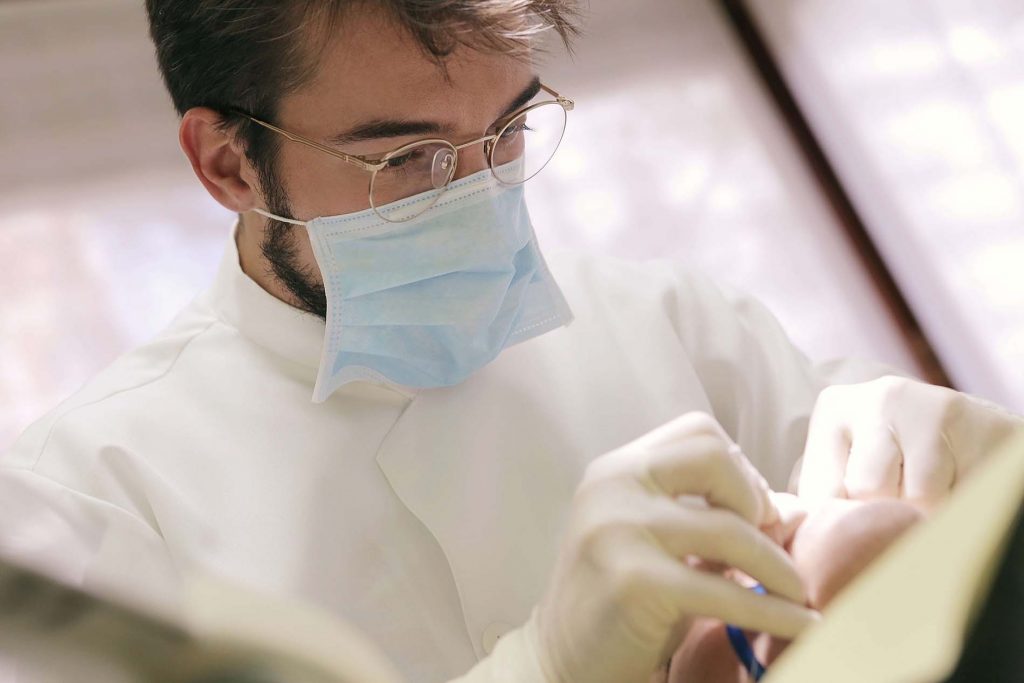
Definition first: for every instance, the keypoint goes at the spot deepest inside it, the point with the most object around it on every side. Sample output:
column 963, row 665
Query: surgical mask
column 428, row 302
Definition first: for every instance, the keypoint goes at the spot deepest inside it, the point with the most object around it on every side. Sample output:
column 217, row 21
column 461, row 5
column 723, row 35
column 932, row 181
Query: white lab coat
column 429, row 520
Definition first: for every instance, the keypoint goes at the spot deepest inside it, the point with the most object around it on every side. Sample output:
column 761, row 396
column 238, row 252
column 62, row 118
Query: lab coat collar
column 293, row 334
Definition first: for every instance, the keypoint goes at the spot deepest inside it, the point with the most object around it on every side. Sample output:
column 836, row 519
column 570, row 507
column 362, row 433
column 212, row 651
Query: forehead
column 372, row 68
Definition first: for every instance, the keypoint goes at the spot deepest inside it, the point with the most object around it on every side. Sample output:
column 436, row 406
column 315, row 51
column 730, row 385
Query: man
column 381, row 405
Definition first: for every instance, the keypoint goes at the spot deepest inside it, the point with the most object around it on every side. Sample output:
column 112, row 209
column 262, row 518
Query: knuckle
column 890, row 382
column 702, row 424
column 831, row 395
column 709, row 452
column 832, row 404
column 588, row 489
column 720, row 463
column 954, row 404
column 594, row 471
column 828, row 409
column 892, row 389
column 597, row 535
column 608, row 466
column 629, row 582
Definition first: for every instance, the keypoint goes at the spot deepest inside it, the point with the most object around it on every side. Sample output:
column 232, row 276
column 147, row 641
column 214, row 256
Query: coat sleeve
column 761, row 387
column 80, row 541
column 75, row 537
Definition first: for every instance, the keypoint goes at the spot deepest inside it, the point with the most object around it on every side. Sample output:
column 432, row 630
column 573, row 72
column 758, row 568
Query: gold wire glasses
column 524, row 144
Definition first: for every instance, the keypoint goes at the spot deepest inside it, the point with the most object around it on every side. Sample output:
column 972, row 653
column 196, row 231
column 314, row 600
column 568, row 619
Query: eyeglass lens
column 426, row 168
column 531, row 139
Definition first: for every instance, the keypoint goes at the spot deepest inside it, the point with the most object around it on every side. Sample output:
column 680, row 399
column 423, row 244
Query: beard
column 280, row 246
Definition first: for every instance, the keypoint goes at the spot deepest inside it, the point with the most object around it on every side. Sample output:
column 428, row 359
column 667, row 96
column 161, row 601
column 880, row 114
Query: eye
column 514, row 130
column 404, row 159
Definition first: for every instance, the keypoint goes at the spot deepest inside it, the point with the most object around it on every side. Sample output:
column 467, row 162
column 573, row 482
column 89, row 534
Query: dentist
column 386, row 401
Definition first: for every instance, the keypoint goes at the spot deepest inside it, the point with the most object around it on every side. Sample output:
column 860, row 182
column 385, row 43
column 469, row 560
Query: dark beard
column 280, row 248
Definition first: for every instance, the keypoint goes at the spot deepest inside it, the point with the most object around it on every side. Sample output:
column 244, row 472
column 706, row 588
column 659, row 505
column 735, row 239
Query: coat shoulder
column 131, row 372
column 586, row 276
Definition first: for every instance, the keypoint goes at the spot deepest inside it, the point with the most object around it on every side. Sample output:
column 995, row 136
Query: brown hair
column 247, row 54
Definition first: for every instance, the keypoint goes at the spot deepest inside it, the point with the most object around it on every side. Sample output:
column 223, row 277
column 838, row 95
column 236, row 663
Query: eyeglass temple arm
column 364, row 164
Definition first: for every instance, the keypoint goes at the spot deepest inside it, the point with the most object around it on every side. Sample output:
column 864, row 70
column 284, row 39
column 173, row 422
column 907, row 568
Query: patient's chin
column 705, row 656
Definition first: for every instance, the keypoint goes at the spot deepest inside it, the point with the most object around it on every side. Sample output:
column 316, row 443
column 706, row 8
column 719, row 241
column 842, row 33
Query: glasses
column 524, row 144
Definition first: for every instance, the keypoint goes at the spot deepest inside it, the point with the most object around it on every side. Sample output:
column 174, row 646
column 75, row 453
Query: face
column 375, row 91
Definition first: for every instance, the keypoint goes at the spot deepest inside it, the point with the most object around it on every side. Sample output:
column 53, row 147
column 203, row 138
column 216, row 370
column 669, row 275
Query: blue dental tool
column 742, row 647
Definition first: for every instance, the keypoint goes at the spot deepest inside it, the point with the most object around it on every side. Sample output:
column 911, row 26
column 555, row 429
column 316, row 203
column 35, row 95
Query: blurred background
column 858, row 166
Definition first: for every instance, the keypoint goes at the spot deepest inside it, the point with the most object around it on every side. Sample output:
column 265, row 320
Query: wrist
column 517, row 658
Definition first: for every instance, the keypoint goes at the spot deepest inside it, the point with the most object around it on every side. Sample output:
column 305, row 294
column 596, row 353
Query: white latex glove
column 624, row 586
column 894, row 437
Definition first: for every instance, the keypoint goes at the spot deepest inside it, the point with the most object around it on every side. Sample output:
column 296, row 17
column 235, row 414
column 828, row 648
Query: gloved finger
column 875, row 463
column 694, row 458
column 929, row 472
column 824, row 459
column 722, row 536
column 767, row 513
column 722, row 599
column 695, row 593
column 676, row 431
column 792, row 511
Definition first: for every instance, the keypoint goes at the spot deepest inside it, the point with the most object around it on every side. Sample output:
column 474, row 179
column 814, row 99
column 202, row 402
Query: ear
column 218, row 161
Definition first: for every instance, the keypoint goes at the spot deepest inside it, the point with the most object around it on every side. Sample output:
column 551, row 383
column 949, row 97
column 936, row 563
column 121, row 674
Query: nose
column 472, row 159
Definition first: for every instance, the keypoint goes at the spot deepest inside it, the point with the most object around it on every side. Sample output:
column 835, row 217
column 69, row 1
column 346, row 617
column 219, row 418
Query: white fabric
column 421, row 519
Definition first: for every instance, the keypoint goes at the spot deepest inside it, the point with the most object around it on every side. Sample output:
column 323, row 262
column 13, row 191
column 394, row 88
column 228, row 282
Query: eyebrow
column 528, row 93
column 394, row 128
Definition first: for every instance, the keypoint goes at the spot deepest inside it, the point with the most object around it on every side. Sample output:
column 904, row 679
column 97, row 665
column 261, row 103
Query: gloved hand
column 625, row 584
column 894, row 437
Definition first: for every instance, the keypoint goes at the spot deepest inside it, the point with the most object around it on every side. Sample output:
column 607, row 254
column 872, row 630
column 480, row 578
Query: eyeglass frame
column 371, row 166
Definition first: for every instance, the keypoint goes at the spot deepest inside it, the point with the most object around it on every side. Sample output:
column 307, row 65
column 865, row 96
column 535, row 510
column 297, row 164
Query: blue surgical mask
column 428, row 302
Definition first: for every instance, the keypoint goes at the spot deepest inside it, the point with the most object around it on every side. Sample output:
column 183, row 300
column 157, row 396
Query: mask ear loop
column 266, row 214
column 742, row 647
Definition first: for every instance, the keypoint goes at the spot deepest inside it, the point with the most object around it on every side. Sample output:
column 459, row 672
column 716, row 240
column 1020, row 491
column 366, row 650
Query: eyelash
column 403, row 160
